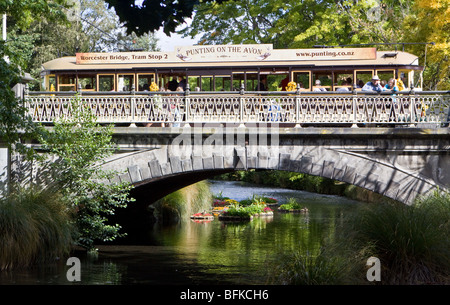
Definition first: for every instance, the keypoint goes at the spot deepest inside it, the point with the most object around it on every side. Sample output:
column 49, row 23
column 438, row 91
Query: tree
column 429, row 22
column 303, row 24
column 150, row 15
column 74, row 150
column 13, row 122
column 285, row 24
column 91, row 27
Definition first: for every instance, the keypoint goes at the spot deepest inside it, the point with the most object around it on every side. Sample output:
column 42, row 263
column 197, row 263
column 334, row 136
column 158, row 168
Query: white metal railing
column 406, row 107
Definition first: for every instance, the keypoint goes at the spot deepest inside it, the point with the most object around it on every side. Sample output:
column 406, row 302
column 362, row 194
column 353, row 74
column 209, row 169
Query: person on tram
column 373, row 85
column 318, row 86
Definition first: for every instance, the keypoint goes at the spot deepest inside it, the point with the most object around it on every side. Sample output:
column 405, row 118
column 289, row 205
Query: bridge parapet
column 408, row 108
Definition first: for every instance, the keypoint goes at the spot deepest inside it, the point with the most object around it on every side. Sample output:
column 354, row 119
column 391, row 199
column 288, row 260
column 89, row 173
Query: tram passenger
column 373, row 85
column 318, row 86
column 175, row 108
column 173, row 84
column 391, row 85
column 284, row 83
column 182, row 82
column 302, row 88
column 343, row 89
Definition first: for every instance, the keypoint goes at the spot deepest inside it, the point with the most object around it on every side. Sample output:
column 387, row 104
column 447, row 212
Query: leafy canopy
column 150, row 15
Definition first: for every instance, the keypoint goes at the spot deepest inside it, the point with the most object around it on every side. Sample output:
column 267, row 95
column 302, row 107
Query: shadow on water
column 204, row 253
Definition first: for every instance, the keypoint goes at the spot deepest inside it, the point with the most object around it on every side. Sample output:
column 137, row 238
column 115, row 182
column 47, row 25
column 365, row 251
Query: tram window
column 194, row 83
column 66, row 83
column 404, row 76
column 273, row 81
column 125, row 82
column 207, row 83
column 325, row 80
column 385, row 75
column 343, row 79
column 51, row 82
column 302, row 78
column 144, row 81
column 106, row 82
column 250, row 81
column 417, row 80
column 238, row 79
column 362, row 77
column 87, row 82
column 223, row 83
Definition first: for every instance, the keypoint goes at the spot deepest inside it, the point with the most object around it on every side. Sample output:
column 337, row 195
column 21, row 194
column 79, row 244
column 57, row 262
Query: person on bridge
column 373, row 85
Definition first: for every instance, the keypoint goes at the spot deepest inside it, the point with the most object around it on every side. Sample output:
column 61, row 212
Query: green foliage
column 303, row 24
column 36, row 226
column 25, row 11
column 15, row 126
column 151, row 15
column 412, row 242
column 76, row 146
column 291, row 180
column 300, row 267
column 291, row 204
column 90, row 27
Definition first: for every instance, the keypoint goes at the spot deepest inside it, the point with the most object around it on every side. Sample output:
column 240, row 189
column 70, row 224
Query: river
column 205, row 253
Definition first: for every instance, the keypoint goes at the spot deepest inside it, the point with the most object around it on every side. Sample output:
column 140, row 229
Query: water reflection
column 206, row 253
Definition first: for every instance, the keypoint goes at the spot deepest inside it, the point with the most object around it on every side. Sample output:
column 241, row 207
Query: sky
column 167, row 43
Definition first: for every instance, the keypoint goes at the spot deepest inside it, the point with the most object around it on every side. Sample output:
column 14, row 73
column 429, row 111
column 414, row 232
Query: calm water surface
column 206, row 253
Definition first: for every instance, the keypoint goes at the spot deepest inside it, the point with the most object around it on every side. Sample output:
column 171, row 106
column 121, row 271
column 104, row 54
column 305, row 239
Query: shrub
column 291, row 204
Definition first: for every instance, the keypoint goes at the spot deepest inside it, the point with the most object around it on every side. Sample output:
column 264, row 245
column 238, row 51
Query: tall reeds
column 411, row 242
column 35, row 227
column 179, row 205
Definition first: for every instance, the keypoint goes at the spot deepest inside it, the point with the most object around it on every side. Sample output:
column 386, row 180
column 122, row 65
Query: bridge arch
column 391, row 166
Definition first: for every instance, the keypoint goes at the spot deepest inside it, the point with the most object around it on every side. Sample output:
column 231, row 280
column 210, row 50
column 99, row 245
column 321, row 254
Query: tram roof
column 380, row 58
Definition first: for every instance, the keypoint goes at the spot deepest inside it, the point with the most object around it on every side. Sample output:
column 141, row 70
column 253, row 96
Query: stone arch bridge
column 399, row 163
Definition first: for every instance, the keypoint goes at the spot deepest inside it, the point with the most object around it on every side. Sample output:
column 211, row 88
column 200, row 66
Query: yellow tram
column 257, row 67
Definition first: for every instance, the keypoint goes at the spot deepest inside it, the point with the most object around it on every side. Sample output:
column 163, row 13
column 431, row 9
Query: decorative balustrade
column 407, row 107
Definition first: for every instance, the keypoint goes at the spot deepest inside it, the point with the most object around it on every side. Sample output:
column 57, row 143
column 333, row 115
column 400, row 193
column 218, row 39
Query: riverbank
column 305, row 182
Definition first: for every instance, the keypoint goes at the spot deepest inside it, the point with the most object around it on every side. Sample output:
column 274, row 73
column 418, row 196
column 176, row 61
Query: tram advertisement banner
column 224, row 53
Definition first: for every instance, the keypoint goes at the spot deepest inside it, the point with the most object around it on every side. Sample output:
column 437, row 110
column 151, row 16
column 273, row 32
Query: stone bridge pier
column 399, row 163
